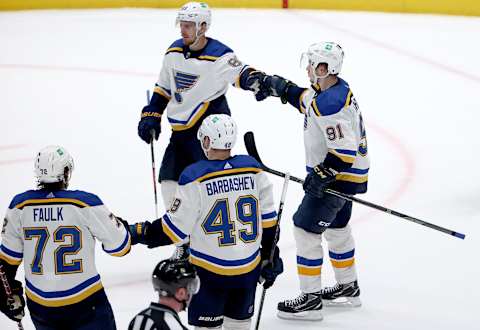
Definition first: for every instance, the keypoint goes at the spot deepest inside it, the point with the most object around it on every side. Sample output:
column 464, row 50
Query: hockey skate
column 307, row 307
column 342, row 295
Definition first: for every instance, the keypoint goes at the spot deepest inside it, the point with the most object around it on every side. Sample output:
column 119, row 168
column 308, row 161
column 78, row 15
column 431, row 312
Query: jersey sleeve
column 267, row 207
column 229, row 69
column 11, row 248
column 108, row 229
column 161, row 93
column 185, row 211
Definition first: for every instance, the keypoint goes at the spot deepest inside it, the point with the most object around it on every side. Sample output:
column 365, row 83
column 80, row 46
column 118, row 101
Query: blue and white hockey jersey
column 334, row 134
column 224, row 206
column 189, row 81
column 54, row 234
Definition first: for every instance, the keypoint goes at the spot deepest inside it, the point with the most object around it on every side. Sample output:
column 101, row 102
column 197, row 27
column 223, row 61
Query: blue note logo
column 183, row 82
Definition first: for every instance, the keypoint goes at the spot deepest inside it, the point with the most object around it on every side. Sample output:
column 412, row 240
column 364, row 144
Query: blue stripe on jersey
column 223, row 262
column 183, row 122
column 346, row 152
column 204, row 167
column 121, row 247
column 11, row 253
column 175, row 229
column 269, row 215
column 87, row 198
column 332, row 100
column 213, row 48
column 64, row 293
column 309, row 262
column 356, row 171
column 341, row 256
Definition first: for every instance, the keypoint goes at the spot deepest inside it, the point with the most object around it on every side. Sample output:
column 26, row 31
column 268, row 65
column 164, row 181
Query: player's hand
column 13, row 307
column 255, row 82
column 270, row 270
column 278, row 86
column 150, row 124
column 138, row 232
column 318, row 180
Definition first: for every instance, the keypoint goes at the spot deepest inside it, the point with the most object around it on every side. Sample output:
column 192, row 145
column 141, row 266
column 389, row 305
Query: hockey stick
column 252, row 151
column 274, row 245
column 152, row 151
column 8, row 291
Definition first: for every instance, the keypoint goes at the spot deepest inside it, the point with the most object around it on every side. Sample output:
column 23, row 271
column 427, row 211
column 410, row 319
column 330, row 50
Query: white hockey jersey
column 54, row 233
column 223, row 205
column 191, row 83
column 334, row 134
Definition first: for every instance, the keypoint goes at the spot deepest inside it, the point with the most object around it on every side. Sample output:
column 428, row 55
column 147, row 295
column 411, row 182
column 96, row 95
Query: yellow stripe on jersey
column 230, row 171
column 64, row 301
column 230, row 271
column 352, row 178
column 125, row 250
column 174, row 49
column 315, row 108
column 309, row 271
column 208, row 57
column 269, row 223
column 174, row 238
column 347, row 101
column 52, row 201
column 198, row 115
column 345, row 158
column 343, row 263
column 160, row 91
column 9, row 260
column 302, row 109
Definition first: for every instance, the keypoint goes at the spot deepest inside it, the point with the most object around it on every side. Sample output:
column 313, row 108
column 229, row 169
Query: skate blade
column 301, row 316
column 343, row 302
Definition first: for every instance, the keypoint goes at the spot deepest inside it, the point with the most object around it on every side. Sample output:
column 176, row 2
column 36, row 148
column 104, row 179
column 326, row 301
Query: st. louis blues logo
column 183, row 81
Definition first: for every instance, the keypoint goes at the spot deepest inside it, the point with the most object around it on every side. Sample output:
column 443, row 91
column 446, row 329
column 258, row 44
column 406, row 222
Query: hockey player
column 336, row 155
column 225, row 205
column 176, row 281
column 53, row 230
column 193, row 80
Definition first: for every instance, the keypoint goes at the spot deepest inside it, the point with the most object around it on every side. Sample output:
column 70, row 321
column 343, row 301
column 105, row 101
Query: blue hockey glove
column 278, row 86
column 255, row 82
column 270, row 270
column 138, row 232
column 150, row 122
column 318, row 180
column 14, row 306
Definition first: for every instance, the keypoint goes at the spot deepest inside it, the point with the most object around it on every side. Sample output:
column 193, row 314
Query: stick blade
column 250, row 145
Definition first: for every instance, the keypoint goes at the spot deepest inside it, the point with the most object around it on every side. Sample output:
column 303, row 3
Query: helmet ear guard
column 329, row 53
column 53, row 164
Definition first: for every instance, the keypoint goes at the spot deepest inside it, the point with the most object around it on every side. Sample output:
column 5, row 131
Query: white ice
column 78, row 78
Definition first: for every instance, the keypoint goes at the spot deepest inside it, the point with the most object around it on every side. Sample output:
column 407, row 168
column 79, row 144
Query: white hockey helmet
column 324, row 52
column 50, row 165
column 197, row 12
column 220, row 129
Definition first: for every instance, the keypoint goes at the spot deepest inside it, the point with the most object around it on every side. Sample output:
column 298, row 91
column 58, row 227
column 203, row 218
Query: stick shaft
column 154, row 176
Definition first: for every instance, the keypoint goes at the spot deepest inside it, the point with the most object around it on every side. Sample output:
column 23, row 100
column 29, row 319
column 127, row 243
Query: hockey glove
column 138, row 232
column 13, row 307
column 278, row 86
column 255, row 83
column 149, row 124
column 318, row 180
column 270, row 270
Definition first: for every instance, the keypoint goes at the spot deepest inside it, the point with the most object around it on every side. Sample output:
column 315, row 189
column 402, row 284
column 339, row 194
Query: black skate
column 342, row 295
column 307, row 306
column 182, row 252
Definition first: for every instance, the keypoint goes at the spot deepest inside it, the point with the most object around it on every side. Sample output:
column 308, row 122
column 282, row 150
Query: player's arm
column 269, row 271
column 152, row 113
column 175, row 225
column 107, row 228
column 11, row 255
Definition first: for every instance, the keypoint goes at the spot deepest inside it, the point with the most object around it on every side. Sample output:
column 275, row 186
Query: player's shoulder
column 40, row 196
column 175, row 47
column 332, row 100
column 214, row 49
column 206, row 169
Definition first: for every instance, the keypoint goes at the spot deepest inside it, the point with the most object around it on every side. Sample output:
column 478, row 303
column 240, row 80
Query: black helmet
column 170, row 275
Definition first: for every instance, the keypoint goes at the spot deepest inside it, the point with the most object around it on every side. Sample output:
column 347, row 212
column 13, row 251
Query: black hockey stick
column 274, row 245
column 252, row 151
column 8, row 291
column 152, row 152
